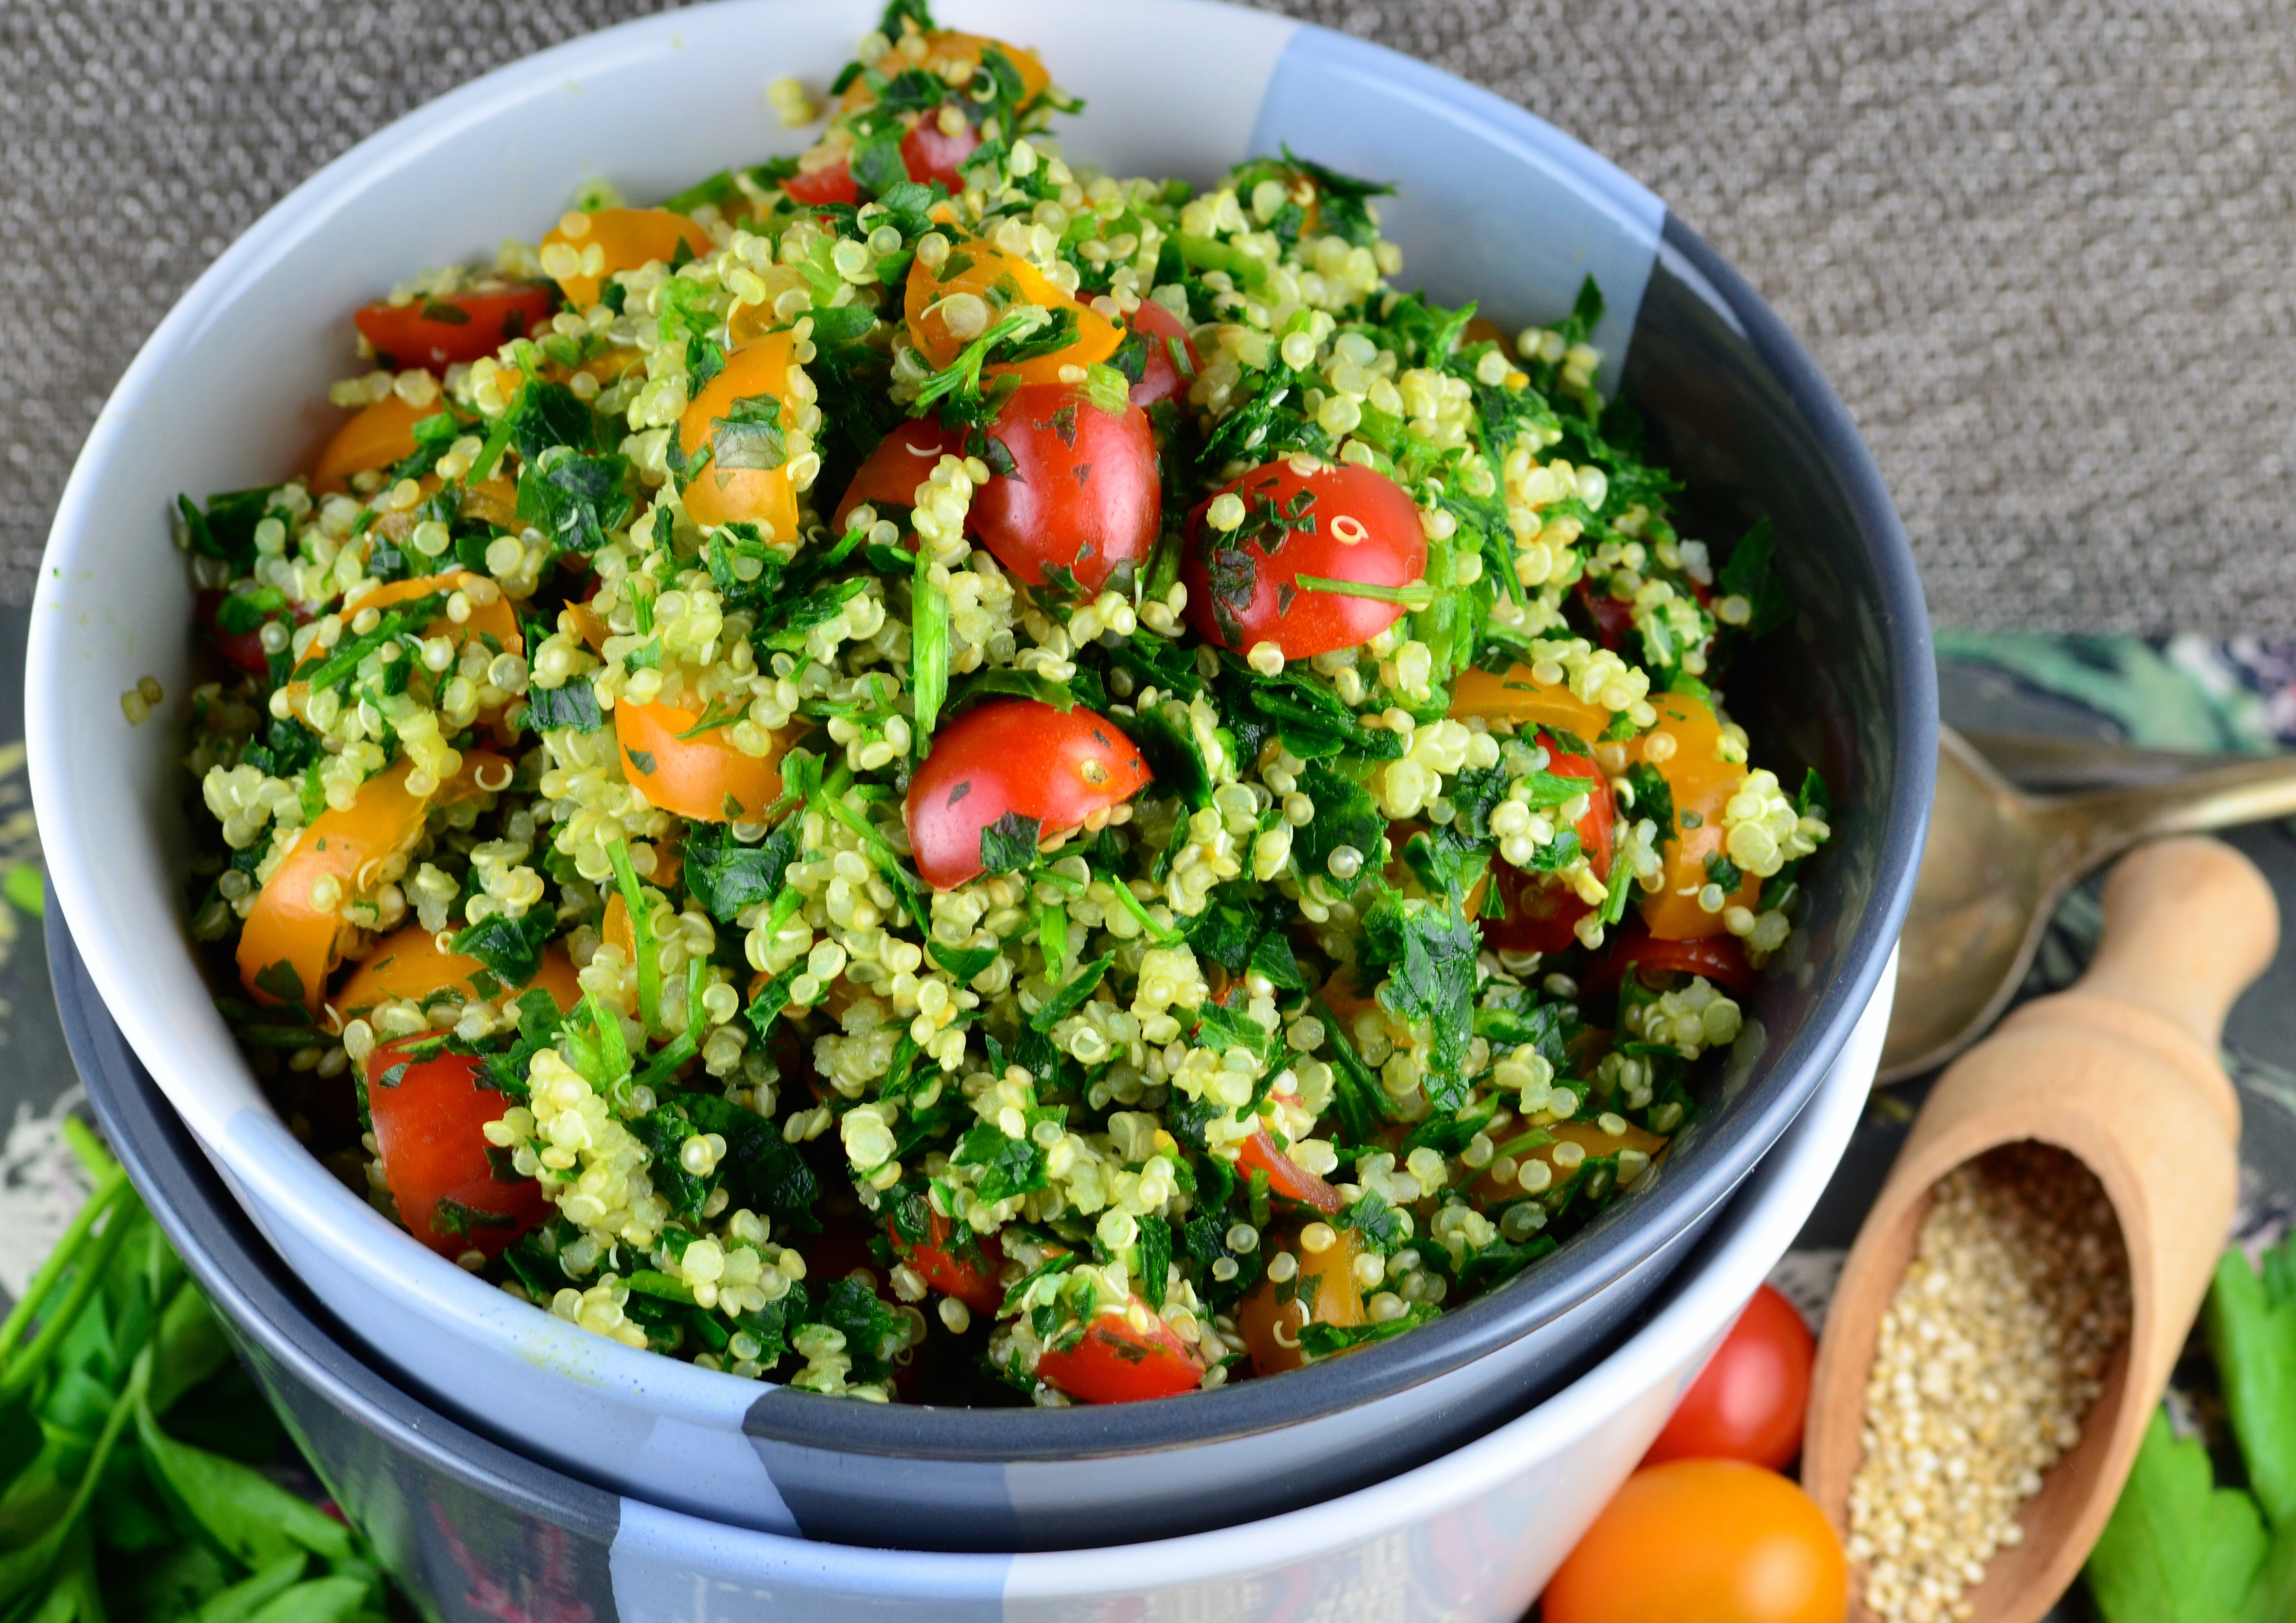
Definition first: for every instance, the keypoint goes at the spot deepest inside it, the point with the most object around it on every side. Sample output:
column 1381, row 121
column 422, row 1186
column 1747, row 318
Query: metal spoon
column 1998, row 861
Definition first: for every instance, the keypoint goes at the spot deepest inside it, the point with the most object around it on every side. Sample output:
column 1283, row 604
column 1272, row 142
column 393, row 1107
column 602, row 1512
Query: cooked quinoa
column 930, row 773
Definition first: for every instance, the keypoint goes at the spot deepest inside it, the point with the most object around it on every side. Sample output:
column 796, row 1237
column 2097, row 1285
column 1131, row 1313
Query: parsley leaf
column 873, row 1333
column 2177, row 1549
column 1345, row 815
column 1009, row 844
column 1429, row 952
column 750, row 434
column 510, row 948
column 1320, row 1341
column 1071, row 995
column 571, row 704
column 727, row 876
column 1653, row 798
column 1153, row 1249
column 578, row 500
column 1752, row 573
column 1009, row 1166
column 2251, row 1328
column 549, row 414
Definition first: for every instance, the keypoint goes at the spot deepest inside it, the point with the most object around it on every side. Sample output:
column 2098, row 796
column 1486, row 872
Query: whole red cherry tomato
column 455, row 1190
column 953, row 1267
column 1748, row 1402
column 437, row 332
column 1163, row 378
column 1082, row 496
column 1339, row 523
column 1013, row 769
column 1116, row 1361
column 1704, row 1541
column 833, row 184
column 1542, row 913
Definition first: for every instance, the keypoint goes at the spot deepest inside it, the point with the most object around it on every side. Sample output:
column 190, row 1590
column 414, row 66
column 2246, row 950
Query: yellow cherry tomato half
column 494, row 617
column 1704, row 1541
column 1324, row 1292
column 703, row 777
column 292, row 940
column 376, row 436
column 745, row 419
column 1701, row 782
column 948, row 307
column 1523, row 699
column 626, row 239
column 407, row 965
column 942, row 51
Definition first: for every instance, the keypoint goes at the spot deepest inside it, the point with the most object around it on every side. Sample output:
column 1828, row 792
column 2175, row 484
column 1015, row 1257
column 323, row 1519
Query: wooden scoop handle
column 2188, row 923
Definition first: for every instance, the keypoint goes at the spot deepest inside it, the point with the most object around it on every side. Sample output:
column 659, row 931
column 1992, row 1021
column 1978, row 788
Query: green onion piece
column 1159, row 934
column 964, row 373
column 1410, row 597
column 928, row 651
column 626, row 879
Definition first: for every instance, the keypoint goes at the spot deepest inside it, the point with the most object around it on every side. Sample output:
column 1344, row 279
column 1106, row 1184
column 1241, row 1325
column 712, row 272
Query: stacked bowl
column 1481, row 1441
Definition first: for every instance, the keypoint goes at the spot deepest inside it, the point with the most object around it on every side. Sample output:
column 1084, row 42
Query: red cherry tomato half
column 1613, row 617
column 437, row 332
column 1011, row 765
column 904, row 459
column 1287, row 1179
column 1161, row 378
column 1083, row 494
column 1542, row 913
column 1721, row 959
column 1748, row 1402
column 243, row 649
column 953, row 1268
column 1338, row 523
column 1116, row 1361
column 1704, row 1541
column 929, row 155
column 833, row 184
column 430, row 1118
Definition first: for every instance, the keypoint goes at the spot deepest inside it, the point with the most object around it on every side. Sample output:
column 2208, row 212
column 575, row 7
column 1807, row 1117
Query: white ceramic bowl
column 231, row 391
column 1471, row 1536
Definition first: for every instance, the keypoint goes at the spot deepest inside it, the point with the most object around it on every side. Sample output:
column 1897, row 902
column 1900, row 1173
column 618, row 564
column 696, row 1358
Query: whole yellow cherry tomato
column 1704, row 1541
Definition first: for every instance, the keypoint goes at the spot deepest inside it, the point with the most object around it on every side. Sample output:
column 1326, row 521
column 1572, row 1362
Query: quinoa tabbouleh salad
column 929, row 773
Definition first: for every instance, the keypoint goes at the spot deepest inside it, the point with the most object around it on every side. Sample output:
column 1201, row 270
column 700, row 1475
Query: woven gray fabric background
column 2043, row 249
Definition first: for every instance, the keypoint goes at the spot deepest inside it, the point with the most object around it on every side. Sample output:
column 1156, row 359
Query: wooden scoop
column 2120, row 1070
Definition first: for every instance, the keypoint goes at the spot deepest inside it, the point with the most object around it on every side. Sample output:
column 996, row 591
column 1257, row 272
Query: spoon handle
column 2099, row 823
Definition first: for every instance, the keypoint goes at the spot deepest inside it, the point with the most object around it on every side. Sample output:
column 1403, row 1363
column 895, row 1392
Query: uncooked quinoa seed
column 1992, row 1350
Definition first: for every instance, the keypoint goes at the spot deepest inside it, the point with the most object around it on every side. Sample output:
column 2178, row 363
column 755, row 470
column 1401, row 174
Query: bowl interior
column 1495, row 205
